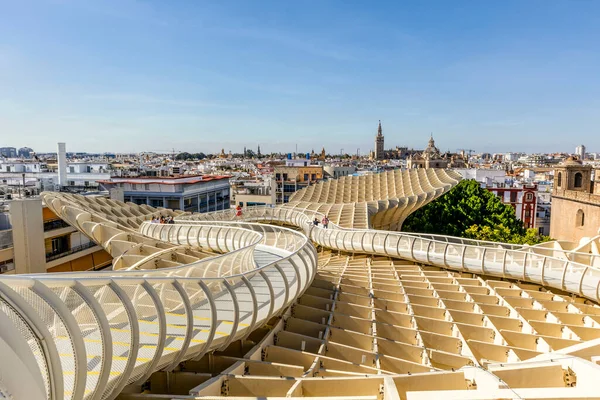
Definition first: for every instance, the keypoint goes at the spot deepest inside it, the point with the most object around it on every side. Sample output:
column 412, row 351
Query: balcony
column 6, row 266
column 55, row 224
column 6, row 239
column 63, row 253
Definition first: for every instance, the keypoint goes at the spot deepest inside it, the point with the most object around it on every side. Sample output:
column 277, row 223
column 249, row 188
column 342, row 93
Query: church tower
column 379, row 143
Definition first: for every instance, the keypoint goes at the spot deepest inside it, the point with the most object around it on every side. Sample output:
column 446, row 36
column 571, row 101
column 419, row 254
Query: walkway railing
column 473, row 256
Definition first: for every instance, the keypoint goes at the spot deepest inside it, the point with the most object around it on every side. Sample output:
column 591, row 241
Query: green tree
column 184, row 156
column 468, row 210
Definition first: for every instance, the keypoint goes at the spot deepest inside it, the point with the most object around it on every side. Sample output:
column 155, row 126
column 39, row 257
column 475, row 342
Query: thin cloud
column 279, row 37
column 147, row 99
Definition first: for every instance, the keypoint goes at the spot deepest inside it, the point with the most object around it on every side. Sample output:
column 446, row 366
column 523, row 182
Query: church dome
column 572, row 161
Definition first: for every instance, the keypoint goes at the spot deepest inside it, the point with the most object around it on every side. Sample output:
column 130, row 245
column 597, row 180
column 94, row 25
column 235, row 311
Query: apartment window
column 86, row 183
column 278, row 177
column 541, row 230
column 559, row 180
column 146, row 186
column 60, row 244
column 579, row 218
column 313, row 177
column 578, row 180
column 513, row 197
column 527, row 214
column 133, row 186
column 71, row 183
column 285, row 177
column 529, row 197
column 305, row 177
column 7, row 168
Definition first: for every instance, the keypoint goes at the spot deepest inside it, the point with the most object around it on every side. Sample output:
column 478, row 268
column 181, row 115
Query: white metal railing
column 479, row 257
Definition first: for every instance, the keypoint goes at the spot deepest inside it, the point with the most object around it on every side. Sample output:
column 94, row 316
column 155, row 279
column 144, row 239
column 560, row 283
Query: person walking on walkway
column 325, row 222
column 238, row 211
column 316, row 221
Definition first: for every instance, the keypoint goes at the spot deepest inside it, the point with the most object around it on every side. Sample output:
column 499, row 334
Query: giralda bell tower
column 379, row 143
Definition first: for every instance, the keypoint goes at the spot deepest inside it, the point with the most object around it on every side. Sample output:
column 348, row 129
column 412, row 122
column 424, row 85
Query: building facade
column 522, row 198
column 40, row 241
column 38, row 176
column 289, row 179
column 575, row 201
column 338, row 171
column 430, row 158
column 197, row 193
column 8, row 152
column 246, row 192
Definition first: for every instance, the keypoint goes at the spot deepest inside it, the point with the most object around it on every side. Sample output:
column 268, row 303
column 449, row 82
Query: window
column 133, row 186
column 579, row 218
column 513, row 197
column 541, row 230
column 527, row 213
column 559, row 180
column 529, row 197
column 146, row 186
column 305, row 177
column 578, row 180
column 86, row 183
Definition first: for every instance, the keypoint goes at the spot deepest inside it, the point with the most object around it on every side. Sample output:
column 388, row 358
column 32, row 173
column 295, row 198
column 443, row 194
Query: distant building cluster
column 200, row 182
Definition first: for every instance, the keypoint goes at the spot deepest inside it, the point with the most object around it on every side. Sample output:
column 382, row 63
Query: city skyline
column 201, row 77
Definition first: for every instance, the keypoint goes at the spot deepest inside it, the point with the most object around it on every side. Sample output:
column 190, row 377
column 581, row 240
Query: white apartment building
column 38, row 176
column 246, row 192
column 580, row 151
column 488, row 177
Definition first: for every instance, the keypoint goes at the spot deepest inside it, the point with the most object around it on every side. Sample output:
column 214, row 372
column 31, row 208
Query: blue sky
column 122, row 75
